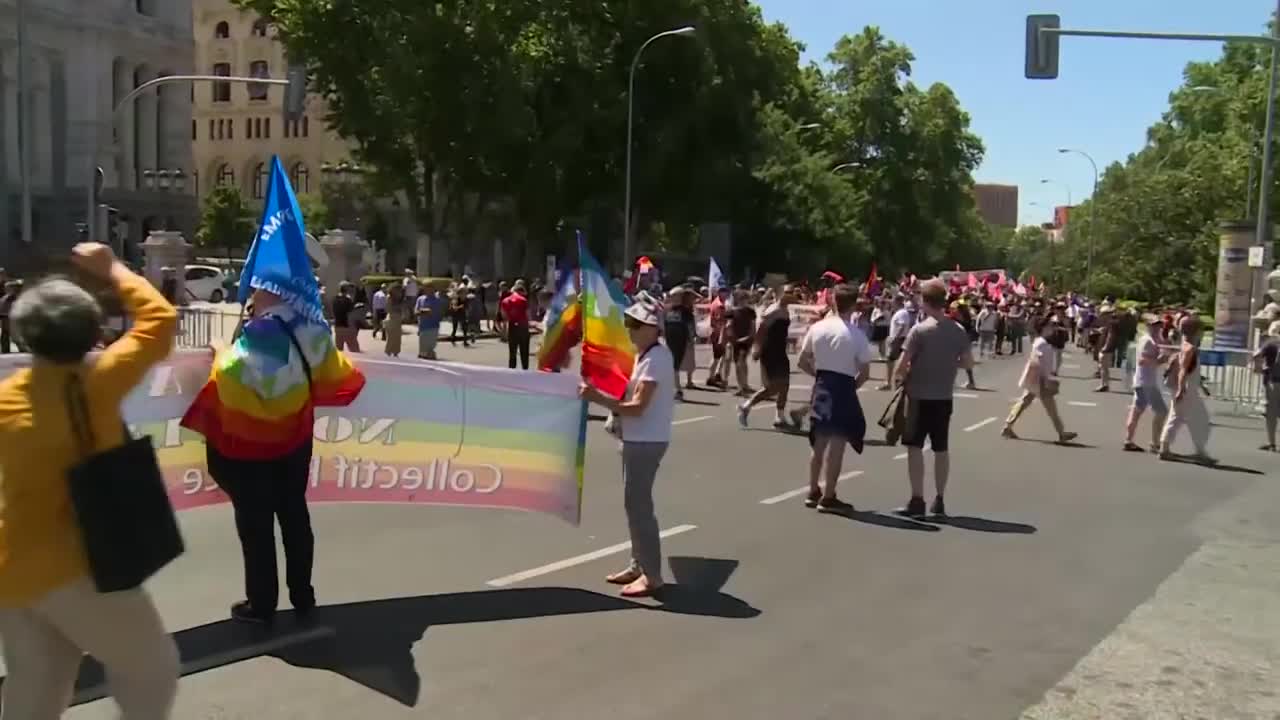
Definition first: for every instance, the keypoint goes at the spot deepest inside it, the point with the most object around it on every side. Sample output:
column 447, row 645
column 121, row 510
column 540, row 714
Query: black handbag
column 126, row 520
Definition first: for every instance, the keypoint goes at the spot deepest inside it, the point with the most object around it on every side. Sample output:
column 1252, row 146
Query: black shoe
column 834, row 506
column 915, row 509
column 939, row 508
column 245, row 613
column 813, row 499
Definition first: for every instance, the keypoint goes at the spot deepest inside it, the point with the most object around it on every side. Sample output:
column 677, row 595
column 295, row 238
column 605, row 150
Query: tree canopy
column 467, row 107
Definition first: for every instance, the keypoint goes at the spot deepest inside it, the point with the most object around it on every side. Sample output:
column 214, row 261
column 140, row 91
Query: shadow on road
column 1220, row 467
column 984, row 525
column 370, row 643
column 698, row 589
column 1055, row 443
column 687, row 401
column 886, row 520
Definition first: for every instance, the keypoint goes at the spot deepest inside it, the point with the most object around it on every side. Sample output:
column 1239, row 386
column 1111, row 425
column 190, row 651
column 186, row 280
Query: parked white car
column 206, row 282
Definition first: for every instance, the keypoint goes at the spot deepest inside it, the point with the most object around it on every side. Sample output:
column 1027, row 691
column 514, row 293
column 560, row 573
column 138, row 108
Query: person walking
column 1040, row 380
column 1267, row 362
column 742, row 333
column 679, row 330
column 904, row 318
column 346, row 327
column 987, row 323
column 514, row 309
column 51, row 613
column 838, row 356
column 393, row 321
column 380, row 311
column 775, row 366
column 718, row 319
column 1110, row 338
column 1146, row 390
column 458, row 317
column 429, row 309
column 257, row 415
column 644, row 421
column 934, row 352
column 1188, row 405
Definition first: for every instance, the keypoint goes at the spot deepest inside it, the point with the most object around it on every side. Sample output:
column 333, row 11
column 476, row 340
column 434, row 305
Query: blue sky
column 1107, row 94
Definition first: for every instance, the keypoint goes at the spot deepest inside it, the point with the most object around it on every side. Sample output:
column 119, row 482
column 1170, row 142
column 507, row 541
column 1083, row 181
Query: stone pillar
column 145, row 122
column 166, row 248
column 345, row 250
column 124, row 135
column 1233, row 291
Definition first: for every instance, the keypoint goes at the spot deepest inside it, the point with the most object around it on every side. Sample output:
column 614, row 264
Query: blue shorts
column 1150, row 397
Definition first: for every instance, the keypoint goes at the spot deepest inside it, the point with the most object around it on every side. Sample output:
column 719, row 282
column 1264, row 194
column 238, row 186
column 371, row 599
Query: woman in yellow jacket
column 50, row 612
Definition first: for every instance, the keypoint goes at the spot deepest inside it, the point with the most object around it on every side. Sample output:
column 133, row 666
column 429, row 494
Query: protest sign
column 428, row 434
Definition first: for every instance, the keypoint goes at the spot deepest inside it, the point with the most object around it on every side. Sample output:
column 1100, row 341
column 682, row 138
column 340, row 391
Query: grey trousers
column 640, row 462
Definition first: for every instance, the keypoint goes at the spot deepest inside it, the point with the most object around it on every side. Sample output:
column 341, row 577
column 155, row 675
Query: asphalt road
column 1074, row 582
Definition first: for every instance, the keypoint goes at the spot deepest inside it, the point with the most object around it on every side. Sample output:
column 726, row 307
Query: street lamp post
column 95, row 171
column 627, row 248
column 1093, row 215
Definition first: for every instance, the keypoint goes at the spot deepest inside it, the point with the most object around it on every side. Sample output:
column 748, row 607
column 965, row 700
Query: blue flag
column 715, row 278
column 278, row 261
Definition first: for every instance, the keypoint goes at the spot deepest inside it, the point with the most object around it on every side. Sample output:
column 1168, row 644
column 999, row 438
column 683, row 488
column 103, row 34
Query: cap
column 643, row 313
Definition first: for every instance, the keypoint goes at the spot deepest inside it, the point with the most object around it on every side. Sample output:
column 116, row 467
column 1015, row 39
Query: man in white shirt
column 988, row 321
column 838, row 356
column 379, row 310
column 1040, row 380
column 900, row 323
column 1146, row 389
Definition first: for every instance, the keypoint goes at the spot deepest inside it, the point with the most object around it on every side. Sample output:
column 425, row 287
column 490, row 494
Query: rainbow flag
column 607, row 352
column 259, row 401
column 563, row 327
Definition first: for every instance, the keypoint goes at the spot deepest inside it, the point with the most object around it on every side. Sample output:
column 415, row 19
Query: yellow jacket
column 40, row 546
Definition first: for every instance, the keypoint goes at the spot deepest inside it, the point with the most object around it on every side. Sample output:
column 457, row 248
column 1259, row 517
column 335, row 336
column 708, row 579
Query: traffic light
column 295, row 95
column 1042, row 47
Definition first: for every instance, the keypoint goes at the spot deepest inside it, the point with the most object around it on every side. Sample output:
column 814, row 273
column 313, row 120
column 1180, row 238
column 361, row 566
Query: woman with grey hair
column 51, row 613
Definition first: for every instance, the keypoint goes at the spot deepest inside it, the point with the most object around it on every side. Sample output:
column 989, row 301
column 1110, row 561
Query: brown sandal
column 624, row 577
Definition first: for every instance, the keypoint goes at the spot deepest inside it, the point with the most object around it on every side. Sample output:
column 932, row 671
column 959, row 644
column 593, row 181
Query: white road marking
column 1079, row 403
column 967, row 396
column 1070, row 366
column 900, row 456
column 801, row 387
column 579, row 559
column 800, row 491
column 981, row 424
column 689, row 421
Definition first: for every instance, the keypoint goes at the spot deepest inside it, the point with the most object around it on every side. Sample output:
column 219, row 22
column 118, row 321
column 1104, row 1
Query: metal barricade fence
column 1227, row 375
column 200, row 327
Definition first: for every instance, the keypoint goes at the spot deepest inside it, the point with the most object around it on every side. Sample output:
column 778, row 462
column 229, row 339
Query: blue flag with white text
column 278, row 261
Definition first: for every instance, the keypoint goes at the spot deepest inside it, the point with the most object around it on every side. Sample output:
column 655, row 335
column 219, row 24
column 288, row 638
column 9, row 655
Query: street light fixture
column 846, row 166
column 149, row 179
column 627, row 249
column 1093, row 213
column 162, row 177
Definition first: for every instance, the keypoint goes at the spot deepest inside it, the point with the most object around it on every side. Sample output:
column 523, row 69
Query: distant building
column 83, row 58
column 237, row 127
column 997, row 204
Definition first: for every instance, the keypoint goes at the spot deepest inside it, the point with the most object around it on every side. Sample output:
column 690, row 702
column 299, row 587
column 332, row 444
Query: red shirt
column 515, row 308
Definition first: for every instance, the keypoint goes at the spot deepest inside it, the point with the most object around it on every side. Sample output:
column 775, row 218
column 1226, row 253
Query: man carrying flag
column 257, row 411
column 562, row 328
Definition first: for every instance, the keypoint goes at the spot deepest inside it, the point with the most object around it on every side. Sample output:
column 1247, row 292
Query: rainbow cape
column 563, row 327
column 257, row 404
column 607, row 352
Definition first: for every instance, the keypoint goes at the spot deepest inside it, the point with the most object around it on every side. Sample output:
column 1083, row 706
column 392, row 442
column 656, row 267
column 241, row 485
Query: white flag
column 715, row 278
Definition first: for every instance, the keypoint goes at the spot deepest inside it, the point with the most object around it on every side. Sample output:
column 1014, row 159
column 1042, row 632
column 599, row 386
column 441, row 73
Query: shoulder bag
column 126, row 521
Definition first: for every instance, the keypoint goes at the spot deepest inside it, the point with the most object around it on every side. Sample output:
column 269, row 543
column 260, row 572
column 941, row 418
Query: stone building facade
column 83, row 58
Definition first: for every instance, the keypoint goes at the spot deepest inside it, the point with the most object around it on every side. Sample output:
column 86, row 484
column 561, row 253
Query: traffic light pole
column 94, row 172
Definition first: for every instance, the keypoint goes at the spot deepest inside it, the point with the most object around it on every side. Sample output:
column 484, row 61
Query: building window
column 258, row 69
column 248, row 129
column 300, row 177
column 260, row 181
column 260, row 27
column 193, row 129
column 222, row 90
column 306, row 126
column 211, row 124
column 226, row 176
column 231, row 129
column 266, row 128
column 221, row 31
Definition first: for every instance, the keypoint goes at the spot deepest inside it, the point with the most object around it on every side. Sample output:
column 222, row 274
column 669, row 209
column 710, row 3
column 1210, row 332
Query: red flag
column 873, row 281
column 1031, row 283
column 973, row 280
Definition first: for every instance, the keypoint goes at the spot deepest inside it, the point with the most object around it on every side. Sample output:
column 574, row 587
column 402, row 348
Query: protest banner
column 426, row 434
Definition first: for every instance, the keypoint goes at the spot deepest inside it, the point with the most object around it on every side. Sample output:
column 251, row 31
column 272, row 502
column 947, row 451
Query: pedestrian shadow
column 886, row 520
column 706, row 403
column 369, row 643
column 984, row 525
column 1220, row 467
column 699, row 589
column 1055, row 443
column 878, row 442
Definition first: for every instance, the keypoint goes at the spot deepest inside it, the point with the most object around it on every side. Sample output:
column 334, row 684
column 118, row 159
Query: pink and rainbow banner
column 419, row 433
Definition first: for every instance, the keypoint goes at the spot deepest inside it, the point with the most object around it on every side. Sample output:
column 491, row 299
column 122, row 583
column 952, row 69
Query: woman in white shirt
column 1040, row 380
column 645, row 415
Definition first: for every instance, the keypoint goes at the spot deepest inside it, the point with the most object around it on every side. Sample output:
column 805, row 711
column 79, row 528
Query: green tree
column 315, row 213
column 226, row 221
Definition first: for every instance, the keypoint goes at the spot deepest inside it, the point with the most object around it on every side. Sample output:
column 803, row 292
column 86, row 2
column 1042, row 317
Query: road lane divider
column 582, row 559
column 800, row 491
column 980, row 424
column 690, row 421
column 1081, row 403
